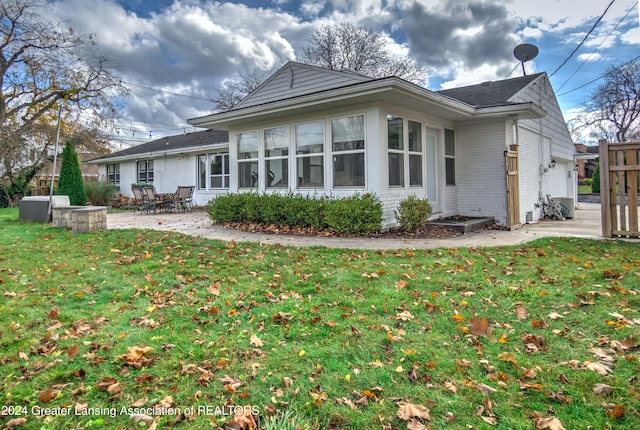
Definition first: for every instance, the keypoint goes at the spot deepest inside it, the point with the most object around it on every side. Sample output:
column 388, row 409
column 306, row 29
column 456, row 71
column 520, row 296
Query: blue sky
column 175, row 55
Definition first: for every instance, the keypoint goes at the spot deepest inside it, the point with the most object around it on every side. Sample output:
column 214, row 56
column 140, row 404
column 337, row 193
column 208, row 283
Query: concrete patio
column 585, row 224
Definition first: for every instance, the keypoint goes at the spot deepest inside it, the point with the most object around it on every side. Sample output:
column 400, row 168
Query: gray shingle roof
column 172, row 143
column 491, row 93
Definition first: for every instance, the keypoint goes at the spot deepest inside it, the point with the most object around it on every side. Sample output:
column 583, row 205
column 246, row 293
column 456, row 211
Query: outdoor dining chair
column 139, row 200
column 154, row 200
column 184, row 198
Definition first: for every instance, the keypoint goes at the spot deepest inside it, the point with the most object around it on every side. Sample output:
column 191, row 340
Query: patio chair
column 139, row 200
column 154, row 200
column 184, row 198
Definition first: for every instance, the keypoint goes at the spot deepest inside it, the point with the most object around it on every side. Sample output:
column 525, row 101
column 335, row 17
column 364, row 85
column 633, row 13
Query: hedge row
column 359, row 214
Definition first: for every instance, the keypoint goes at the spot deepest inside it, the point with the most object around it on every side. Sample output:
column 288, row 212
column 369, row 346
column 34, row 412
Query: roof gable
column 296, row 79
column 492, row 93
column 172, row 143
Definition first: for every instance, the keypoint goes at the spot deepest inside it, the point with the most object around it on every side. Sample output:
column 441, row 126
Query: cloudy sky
column 174, row 55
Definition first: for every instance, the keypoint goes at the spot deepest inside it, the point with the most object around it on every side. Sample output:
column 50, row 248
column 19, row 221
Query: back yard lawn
column 133, row 328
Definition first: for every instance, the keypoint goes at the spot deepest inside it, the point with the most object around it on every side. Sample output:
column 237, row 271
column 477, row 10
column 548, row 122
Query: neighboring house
column 42, row 182
column 200, row 159
column 587, row 158
column 325, row 132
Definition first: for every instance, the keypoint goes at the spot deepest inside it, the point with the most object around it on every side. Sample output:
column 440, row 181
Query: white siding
column 480, row 170
column 553, row 125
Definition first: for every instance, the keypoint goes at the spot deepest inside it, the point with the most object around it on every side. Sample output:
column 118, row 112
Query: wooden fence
column 619, row 167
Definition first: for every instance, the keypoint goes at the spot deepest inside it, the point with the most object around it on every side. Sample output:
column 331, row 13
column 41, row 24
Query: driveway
column 586, row 224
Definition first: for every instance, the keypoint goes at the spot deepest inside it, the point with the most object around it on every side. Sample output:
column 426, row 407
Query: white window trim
column 331, row 153
column 407, row 153
column 322, row 155
column 262, row 144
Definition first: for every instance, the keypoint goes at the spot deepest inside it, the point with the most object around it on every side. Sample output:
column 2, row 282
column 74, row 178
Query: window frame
column 250, row 161
column 113, row 177
column 285, row 149
column 449, row 157
column 396, row 152
column 334, row 154
column 301, row 157
column 407, row 151
column 144, row 175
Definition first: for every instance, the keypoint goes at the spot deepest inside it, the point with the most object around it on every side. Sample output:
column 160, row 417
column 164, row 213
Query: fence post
column 605, row 196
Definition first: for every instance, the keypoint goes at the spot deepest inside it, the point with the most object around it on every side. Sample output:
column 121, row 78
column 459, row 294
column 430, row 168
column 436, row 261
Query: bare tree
column 235, row 90
column 43, row 65
column 346, row 46
column 613, row 108
column 335, row 47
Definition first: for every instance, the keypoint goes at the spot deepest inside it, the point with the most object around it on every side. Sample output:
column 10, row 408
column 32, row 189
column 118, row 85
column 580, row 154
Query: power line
column 601, row 76
column 598, row 47
column 584, row 39
column 175, row 93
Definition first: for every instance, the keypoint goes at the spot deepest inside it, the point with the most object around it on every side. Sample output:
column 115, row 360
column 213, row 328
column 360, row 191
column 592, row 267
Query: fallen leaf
column 255, row 341
column 404, row 316
column 485, row 388
column 16, row 422
column 451, row 386
column 521, row 313
column 407, row 411
column 490, row 420
column 549, row 423
column 47, row 395
column 597, row 367
column 416, row 425
column 602, row 389
column 480, row 327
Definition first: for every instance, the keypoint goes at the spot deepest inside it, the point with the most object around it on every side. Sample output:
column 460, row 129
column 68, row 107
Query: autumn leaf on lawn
column 47, row 395
column 16, row 422
column 256, row 341
column 521, row 313
column 148, row 421
column 401, row 284
column 404, row 316
column 407, row 411
column 480, row 327
column 416, row 425
column 242, row 421
column 548, row 423
column 451, row 386
column 109, row 384
column 554, row 316
column 597, row 367
column 231, row 384
column 136, row 356
column 602, row 389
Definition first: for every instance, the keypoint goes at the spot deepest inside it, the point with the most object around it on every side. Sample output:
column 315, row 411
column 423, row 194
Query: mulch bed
column 430, row 231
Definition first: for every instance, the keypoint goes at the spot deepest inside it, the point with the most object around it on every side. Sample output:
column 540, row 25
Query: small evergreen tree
column 71, row 183
column 595, row 180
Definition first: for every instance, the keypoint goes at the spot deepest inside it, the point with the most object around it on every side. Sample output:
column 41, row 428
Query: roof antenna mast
column 525, row 52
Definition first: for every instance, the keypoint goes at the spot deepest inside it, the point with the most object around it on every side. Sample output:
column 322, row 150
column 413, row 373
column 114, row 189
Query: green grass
column 313, row 338
column 584, row 189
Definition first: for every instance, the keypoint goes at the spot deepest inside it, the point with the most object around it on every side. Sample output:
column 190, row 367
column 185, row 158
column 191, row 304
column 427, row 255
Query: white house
column 325, row 132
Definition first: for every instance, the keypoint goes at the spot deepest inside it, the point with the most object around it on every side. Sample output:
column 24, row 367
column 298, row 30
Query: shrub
column 413, row 213
column 100, row 193
column 356, row 215
column 595, row 180
column 231, row 208
column 70, row 183
column 587, row 181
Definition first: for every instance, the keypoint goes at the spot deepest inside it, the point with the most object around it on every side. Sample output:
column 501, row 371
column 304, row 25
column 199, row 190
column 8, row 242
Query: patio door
column 431, row 169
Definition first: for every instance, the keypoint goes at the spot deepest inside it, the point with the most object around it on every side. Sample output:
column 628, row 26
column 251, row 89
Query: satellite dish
column 525, row 52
